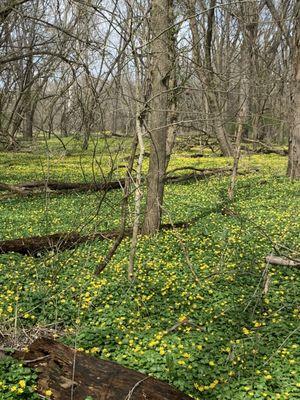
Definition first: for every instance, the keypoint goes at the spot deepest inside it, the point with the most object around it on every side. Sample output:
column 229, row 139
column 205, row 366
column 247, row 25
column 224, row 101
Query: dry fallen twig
column 277, row 260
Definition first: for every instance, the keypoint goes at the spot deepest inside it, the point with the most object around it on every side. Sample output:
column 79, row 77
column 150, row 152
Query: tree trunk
column 294, row 144
column 245, row 61
column 173, row 95
column 205, row 72
column 160, row 76
column 138, row 191
column 28, row 104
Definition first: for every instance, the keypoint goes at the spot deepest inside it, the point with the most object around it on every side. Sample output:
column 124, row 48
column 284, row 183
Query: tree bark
column 32, row 188
column 173, row 95
column 138, row 194
column 294, row 144
column 277, row 260
column 62, row 241
column 66, row 371
column 161, row 67
column 28, row 103
column 245, row 61
column 205, row 72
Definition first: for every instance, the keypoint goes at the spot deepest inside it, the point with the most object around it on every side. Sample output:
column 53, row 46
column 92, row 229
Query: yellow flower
column 201, row 388
column 246, row 331
column 48, row 392
column 214, row 384
column 161, row 351
column 182, row 318
column 94, row 350
column 211, row 363
column 22, row 383
column 268, row 377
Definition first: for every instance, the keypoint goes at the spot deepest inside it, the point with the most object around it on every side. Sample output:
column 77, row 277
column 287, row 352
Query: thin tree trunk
column 138, row 195
column 205, row 72
column 124, row 213
column 241, row 121
column 28, row 106
column 173, row 95
column 245, row 59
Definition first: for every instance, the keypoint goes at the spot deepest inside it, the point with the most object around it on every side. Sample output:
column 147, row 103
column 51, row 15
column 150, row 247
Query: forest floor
column 205, row 313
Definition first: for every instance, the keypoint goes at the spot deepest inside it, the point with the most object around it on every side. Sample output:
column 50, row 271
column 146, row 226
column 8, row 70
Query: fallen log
column 204, row 174
column 28, row 188
column 39, row 187
column 276, row 260
column 10, row 188
column 61, row 241
column 201, row 170
column 264, row 148
column 72, row 374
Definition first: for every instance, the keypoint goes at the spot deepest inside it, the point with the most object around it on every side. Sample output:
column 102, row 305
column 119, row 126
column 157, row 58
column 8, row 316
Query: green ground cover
column 239, row 343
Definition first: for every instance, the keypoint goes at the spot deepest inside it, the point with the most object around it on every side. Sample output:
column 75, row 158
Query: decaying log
column 263, row 148
column 276, row 260
column 199, row 170
column 267, row 150
column 10, row 188
column 29, row 188
column 197, row 174
column 193, row 155
column 62, row 241
column 204, row 174
column 38, row 187
column 70, row 374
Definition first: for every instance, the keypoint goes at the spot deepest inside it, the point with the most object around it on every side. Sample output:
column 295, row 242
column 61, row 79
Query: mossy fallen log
column 72, row 374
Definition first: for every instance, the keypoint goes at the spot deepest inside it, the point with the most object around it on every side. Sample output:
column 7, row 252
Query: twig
column 36, row 359
column 130, row 393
